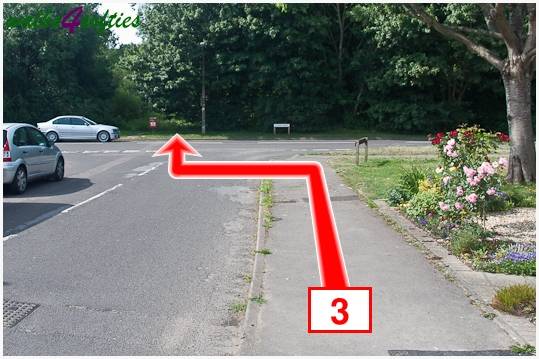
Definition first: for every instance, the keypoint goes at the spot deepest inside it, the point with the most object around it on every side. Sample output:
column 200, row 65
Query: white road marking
column 206, row 142
column 91, row 198
column 143, row 169
column 70, row 151
column 91, row 151
column 320, row 149
column 150, row 169
column 111, row 151
column 130, row 151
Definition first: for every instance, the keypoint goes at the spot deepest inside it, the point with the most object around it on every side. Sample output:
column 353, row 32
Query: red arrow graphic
column 328, row 248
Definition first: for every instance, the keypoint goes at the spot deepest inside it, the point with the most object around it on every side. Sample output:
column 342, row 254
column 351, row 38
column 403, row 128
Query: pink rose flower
column 472, row 198
column 451, row 142
column 443, row 206
column 452, row 154
column 503, row 162
column 486, row 169
column 460, row 191
column 473, row 181
column 459, row 206
column 491, row 191
column 470, row 172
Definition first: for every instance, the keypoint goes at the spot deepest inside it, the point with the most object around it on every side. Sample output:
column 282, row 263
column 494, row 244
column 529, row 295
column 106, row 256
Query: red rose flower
column 468, row 133
column 453, row 133
column 436, row 141
column 440, row 135
column 503, row 137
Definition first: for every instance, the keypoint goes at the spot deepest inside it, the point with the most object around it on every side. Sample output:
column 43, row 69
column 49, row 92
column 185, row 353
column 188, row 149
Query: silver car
column 77, row 128
column 28, row 156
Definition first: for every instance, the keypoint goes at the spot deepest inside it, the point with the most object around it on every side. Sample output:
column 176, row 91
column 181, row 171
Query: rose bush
column 468, row 178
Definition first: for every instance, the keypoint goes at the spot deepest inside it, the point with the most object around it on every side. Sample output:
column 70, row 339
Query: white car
column 77, row 128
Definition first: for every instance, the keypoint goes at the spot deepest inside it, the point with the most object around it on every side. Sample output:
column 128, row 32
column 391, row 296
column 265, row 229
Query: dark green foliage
column 266, row 63
column 407, row 187
column 410, row 178
column 48, row 72
column 521, row 195
column 376, row 68
column 397, row 195
column 467, row 239
column 423, row 204
column 508, row 267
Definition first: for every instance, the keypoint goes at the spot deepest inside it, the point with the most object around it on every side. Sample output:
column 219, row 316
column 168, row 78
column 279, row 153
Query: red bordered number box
column 346, row 310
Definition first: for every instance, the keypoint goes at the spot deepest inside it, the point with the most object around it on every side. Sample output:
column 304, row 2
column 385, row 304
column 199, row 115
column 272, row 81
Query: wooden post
column 363, row 140
column 366, row 149
column 357, row 152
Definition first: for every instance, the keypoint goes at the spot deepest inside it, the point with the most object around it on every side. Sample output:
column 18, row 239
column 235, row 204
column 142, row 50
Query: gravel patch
column 516, row 225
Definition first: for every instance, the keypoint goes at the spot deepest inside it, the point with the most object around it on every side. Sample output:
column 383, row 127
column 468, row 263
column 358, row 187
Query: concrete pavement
column 416, row 310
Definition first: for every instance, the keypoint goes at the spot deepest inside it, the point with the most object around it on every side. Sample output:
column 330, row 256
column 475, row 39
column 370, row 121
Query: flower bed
column 453, row 201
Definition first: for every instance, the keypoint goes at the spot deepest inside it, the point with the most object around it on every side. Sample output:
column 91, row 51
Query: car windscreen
column 90, row 121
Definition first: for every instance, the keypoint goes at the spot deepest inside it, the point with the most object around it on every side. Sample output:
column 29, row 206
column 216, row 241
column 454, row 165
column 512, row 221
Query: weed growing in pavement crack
column 247, row 278
column 239, row 307
column 523, row 349
column 263, row 251
column 259, row 299
column 266, row 187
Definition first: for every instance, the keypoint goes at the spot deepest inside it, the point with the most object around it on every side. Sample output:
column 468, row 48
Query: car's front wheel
column 52, row 136
column 58, row 174
column 103, row 136
column 20, row 181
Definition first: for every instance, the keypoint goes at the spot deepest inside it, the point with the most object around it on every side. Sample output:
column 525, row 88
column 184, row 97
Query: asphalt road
column 124, row 260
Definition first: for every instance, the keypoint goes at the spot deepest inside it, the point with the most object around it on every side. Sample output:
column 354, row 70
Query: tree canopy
column 317, row 66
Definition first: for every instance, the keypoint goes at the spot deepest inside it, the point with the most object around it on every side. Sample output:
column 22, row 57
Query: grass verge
column 377, row 176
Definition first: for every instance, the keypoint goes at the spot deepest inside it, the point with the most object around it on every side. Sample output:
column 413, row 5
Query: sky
column 125, row 36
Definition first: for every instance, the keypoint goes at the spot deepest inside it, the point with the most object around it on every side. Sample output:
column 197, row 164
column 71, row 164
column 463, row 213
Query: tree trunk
column 517, row 82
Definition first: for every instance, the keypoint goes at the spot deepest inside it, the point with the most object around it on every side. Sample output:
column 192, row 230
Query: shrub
column 467, row 239
column 396, row 196
column 423, row 204
column 409, row 180
column 521, row 195
column 468, row 178
column 517, row 299
column 498, row 204
column 465, row 244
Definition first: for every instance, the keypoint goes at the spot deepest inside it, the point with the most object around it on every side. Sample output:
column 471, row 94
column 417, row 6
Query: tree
column 49, row 71
column 514, row 26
